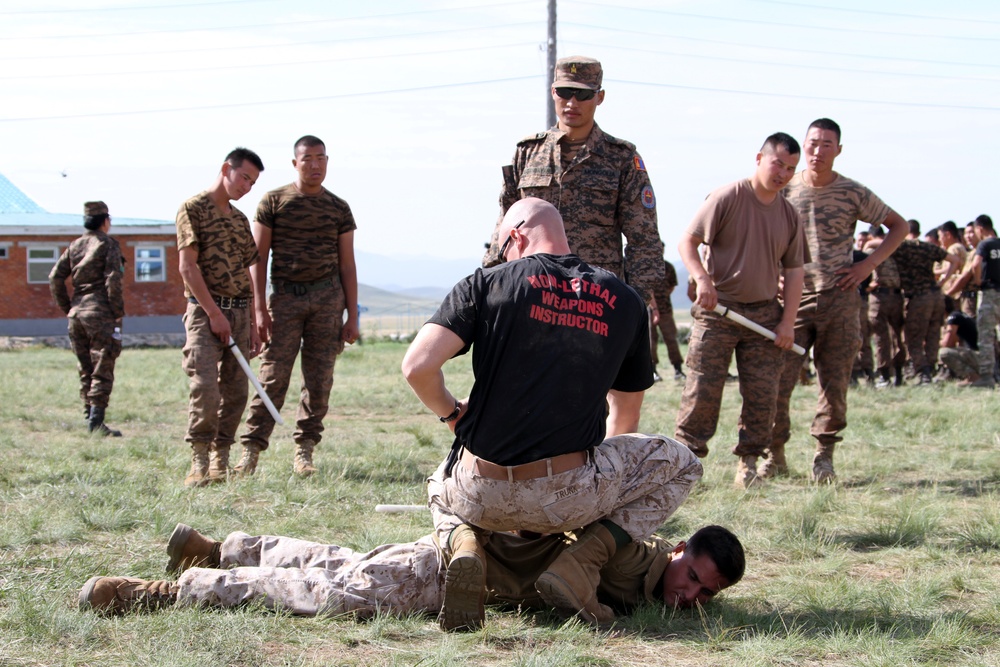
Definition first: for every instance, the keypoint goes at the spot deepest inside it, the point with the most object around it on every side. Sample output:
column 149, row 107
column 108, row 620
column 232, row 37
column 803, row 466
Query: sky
column 420, row 102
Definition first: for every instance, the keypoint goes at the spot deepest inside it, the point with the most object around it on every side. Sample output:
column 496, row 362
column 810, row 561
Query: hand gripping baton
column 256, row 383
column 753, row 326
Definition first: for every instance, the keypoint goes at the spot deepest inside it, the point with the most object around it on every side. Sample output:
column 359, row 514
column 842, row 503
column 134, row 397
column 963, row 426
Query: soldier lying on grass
column 308, row 579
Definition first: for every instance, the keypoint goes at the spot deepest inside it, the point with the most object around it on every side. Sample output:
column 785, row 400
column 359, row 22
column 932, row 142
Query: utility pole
column 550, row 115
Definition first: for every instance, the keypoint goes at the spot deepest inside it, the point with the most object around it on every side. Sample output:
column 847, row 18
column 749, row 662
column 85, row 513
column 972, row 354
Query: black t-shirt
column 967, row 332
column 550, row 335
column 989, row 250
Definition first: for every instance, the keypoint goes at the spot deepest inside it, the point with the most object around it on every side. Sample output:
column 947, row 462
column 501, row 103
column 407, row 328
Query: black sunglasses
column 503, row 248
column 581, row 94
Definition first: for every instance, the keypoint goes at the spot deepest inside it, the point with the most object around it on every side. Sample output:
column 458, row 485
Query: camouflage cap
column 578, row 72
column 95, row 208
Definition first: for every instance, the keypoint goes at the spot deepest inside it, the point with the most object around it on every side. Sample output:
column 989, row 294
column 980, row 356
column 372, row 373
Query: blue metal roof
column 12, row 200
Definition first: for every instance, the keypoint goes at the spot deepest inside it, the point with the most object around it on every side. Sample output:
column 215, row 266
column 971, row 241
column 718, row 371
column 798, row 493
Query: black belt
column 301, row 289
column 887, row 290
column 227, row 302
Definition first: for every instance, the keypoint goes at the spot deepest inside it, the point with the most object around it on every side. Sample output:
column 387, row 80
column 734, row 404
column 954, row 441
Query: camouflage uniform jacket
column 95, row 263
column 915, row 262
column 632, row 576
column 602, row 195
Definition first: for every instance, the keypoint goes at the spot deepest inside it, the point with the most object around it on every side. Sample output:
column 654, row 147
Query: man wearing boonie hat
column 601, row 188
column 94, row 262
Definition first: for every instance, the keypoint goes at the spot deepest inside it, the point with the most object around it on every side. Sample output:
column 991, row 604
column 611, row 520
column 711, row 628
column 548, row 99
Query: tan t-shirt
column 305, row 233
column 225, row 245
column 749, row 243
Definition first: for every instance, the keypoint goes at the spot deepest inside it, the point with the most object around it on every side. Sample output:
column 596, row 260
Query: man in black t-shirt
column 550, row 336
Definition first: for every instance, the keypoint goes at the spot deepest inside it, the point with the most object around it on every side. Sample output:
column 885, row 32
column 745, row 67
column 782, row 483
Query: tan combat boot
column 775, row 464
column 464, row 582
column 117, row 595
column 746, row 473
column 570, row 583
column 218, row 463
column 189, row 548
column 198, row 475
column 303, row 464
column 822, row 472
column 248, row 460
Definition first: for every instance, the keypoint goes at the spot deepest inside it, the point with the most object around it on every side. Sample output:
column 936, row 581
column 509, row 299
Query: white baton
column 256, row 383
column 753, row 326
column 396, row 509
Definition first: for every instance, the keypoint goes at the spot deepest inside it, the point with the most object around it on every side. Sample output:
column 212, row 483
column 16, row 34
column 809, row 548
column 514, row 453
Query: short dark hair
column 932, row 234
column 949, row 227
column 825, row 124
column 914, row 227
column 985, row 221
column 781, row 140
column 239, row 154
column 877, row 231
column 309, row 141
column 723, row 547
column 95, row 222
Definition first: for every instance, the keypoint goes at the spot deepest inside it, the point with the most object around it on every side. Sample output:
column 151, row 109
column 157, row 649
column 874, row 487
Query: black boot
column 899, row 376
column 86, row 412
column 97, row 425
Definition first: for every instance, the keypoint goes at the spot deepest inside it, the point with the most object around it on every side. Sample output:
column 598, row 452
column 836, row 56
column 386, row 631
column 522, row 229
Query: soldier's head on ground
column 310, row 163
column 240, row 171
column 822, row 145
column 95, row 214
column 776, row 162
column 576, row 91
column 710, row 561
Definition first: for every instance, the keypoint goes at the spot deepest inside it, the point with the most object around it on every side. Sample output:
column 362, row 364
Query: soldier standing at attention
column 830, row 206
column 661, row 292
column 95, row 312
column 216, row 251
column 311, row 233
column 600, row 186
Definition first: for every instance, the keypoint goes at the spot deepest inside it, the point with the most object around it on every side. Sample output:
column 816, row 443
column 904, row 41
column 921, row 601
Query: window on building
column 4, row 252
column 41, row 259
column 149, row 265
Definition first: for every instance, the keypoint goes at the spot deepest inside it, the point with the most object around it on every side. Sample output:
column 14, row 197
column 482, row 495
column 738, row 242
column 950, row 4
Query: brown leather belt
column 533, row 470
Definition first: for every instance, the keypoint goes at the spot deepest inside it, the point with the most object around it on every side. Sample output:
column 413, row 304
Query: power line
column 272, row 24
column 81, row 10
column 776, row 48
column 873, row 12
column 797, row 26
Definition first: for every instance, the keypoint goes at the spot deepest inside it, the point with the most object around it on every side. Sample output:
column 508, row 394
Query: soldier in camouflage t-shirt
column 95, row 312
column 830, row 206
column 309, row 233
column 216, row 251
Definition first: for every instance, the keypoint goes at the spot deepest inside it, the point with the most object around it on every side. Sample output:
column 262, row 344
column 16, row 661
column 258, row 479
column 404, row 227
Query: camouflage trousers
column 827, row 322
column 864, row 360
column 309, row 579
column 668, row 327
column 922, row 320
column 635, row 481
column 310, row 323
column 885, row 312
column 963, row 362
column 710, row 350
column 90, row 336
column 987, row 321
column 218, row 386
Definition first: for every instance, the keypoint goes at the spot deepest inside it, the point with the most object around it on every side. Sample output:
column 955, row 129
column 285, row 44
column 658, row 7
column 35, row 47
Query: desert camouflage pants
column 309, row 579
column 218, row 386
column 922, row 320
column 310, row 323
column 987, row 321
column 635, row 481
column 827, row 322
column 864, row 360
column 962, row 361
column 885, row 312
column 710, row 350
column 668, row 327
column 90, row 336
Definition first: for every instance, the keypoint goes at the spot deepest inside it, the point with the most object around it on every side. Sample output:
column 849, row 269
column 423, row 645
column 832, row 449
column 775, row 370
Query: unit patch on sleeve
column 648, row 200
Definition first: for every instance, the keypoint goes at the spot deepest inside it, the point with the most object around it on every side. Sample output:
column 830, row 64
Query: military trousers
column 218, row 386
column 885, row 312
column 922, row 320
column 635, row 481
column 309, row 323
column 668, row 327
column 864, row 361
column 711, row 345
column 827, row 323
column 310, row 579
column 987, row 321
column 91, row 336
column 963, row 362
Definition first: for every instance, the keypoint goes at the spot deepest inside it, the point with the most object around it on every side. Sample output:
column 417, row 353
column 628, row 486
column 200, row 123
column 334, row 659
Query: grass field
column 898, row 564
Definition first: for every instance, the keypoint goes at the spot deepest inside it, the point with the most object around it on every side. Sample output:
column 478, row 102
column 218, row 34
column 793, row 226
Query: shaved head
column 539, row 224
